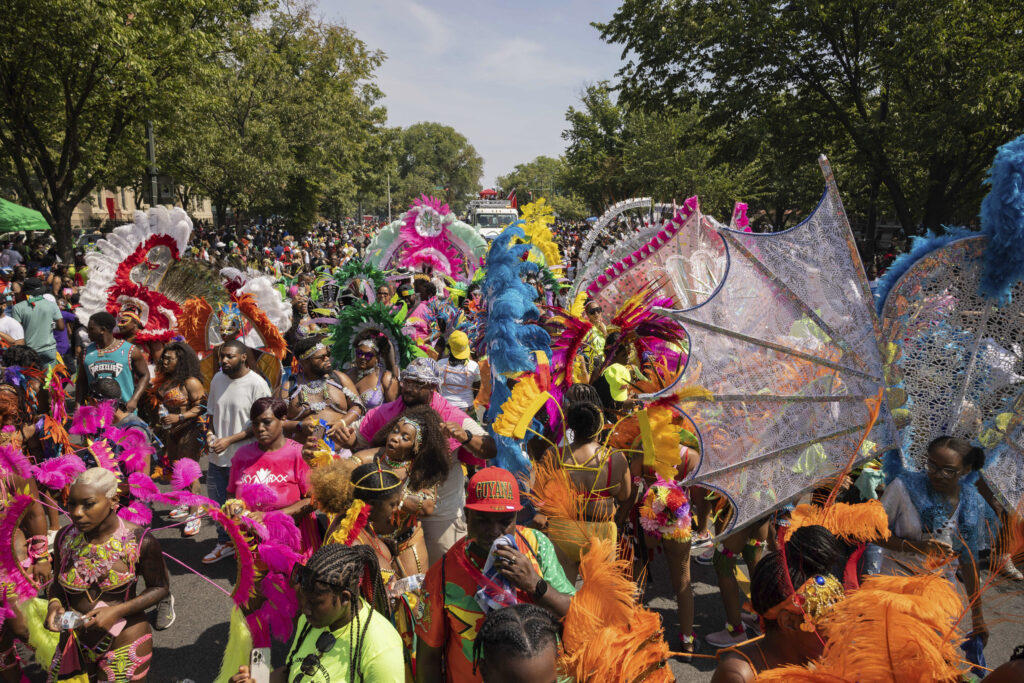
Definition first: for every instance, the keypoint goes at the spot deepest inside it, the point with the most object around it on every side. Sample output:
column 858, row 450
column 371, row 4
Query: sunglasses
column 366, row 355
column 306, row 578
column 311, row 662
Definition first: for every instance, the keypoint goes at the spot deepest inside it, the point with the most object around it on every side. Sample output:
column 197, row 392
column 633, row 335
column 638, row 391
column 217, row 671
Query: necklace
column 114, row 345
column 315, row 394
column 363, row 374
column 393, row 464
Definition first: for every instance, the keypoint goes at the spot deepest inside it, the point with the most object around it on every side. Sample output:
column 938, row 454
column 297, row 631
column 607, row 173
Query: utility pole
column 389, row 196
column 151, row 169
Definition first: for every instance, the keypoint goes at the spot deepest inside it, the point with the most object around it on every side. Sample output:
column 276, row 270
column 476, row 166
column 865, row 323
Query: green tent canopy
column 14, row 218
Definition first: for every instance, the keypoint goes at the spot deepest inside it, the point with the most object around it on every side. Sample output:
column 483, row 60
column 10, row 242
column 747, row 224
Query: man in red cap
column 451, row 613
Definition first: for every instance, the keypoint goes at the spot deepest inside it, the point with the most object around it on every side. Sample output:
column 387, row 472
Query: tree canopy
column 79, row 79
column 436, row 159
column 545, row 177
column 921, row 91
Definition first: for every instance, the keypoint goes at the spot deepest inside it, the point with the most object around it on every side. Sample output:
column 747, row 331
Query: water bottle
column 70, row 620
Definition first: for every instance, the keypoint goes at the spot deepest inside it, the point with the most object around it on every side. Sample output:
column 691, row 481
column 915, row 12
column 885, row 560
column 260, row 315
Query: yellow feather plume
column 517, row 412
column 538, row 218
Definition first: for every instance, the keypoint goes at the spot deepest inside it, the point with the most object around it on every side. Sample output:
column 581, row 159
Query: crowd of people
column 407, row 548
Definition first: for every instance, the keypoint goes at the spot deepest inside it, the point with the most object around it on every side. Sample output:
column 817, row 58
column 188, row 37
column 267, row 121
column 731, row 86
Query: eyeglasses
column 944, row 472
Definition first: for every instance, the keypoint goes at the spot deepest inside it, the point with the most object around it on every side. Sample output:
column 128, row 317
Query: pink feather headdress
column 427, row 239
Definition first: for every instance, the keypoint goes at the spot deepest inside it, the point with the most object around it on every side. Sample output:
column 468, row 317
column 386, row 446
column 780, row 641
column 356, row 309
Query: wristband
column 469, row 437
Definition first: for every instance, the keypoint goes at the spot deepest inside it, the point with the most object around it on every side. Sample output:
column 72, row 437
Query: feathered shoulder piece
column 572, row 339
column 359, row 317
column 127, row 271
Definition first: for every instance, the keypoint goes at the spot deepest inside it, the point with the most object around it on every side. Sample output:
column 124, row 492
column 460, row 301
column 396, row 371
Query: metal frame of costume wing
column 956, row 362
column 782, row 336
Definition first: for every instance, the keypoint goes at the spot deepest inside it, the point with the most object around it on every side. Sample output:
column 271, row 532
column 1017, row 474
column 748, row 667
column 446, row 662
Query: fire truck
column 491, row 216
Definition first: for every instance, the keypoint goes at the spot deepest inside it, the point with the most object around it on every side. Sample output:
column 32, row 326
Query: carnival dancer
column 418, row 386
column 939, row 513
column 498, row 562
column 320, row 396
column 373, row 372
column 790, row 590
column 94, row 603
column 460, row 374
column 414, row 447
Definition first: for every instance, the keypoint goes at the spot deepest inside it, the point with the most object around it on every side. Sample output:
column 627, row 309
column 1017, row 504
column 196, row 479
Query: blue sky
column 502, row 73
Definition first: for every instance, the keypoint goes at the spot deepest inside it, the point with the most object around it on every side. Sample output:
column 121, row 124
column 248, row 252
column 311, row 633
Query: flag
column 512, row 198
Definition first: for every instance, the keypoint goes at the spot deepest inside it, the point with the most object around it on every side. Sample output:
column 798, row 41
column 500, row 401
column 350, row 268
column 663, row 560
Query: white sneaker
column 1007, row 568
column 180, row 512
column 219, row 552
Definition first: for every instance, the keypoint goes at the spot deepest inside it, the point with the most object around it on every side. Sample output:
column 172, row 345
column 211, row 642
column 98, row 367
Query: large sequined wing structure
column 957, row 362
column 783, row 338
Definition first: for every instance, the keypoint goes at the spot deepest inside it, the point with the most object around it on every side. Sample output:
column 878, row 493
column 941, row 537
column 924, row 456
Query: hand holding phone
column 259, row 665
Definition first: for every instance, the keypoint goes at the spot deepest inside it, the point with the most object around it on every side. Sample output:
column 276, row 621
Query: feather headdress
column 359, row 317
column 129, row 269
column 538, row 217
column 427, row 240
column 642, row 331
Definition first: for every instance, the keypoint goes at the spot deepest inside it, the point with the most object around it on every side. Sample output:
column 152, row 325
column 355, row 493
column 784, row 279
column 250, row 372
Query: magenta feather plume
column 278, row 558
column 143, row 488
column 282, row 606
column 186, row 471
column 282, row 530
column 58, row 397
column 436, row 251
column 134, row 460
column 10, row 571
column 259, row 626
column 85, row 421
column 137, row 513
column 193, row 500
column 13, row 461
column 6, row 610
column 56, row 473
column 256, row 495
column 246, row 578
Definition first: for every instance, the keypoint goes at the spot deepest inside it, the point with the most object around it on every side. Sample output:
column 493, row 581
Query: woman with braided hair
column 414, row 447
column 344, row 633
column 518, row 643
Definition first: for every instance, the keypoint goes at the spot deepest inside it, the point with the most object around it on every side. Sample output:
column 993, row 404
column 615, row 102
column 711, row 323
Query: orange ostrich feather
column 195, row 314
column 607, row 635
column 860, row 522
column 273, row 340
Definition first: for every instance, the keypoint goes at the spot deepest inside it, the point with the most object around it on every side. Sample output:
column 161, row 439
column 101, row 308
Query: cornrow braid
column 522, row 631
column 353, row 569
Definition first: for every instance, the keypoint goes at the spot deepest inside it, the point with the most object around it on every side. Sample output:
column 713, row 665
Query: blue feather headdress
column 1002, row 221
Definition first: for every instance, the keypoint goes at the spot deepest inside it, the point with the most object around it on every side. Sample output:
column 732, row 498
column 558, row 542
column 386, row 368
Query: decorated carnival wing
column 138, row 268
column 783, row 339
column 428, row 238
column 952, row 323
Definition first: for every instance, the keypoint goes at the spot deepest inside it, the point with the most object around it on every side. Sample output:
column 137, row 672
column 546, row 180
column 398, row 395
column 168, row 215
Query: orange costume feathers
column 607, row 634
column 859, row 522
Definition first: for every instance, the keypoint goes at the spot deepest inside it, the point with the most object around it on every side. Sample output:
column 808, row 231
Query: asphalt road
column 192, row 648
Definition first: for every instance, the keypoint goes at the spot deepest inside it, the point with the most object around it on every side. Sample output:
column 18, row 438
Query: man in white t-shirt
column 460, row 375
column 233, row 390
column 11, row 331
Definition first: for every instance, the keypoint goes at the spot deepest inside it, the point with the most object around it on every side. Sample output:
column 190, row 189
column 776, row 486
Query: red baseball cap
column 493, row 489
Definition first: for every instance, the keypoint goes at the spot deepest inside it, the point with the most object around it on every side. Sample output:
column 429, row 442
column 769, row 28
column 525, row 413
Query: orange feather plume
column 273, row 340
column 195, row 314
column 860, row 522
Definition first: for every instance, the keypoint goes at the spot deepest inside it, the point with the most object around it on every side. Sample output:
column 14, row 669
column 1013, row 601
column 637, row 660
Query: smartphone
column 259, row 664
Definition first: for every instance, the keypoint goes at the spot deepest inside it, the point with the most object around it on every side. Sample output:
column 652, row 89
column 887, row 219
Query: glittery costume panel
column 956, row 363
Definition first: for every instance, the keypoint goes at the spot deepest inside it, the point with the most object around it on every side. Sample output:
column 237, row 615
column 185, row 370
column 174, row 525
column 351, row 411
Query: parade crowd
column 355, row 463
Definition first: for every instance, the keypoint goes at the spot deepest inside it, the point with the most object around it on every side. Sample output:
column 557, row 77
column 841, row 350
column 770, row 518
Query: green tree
column 285, row 123
column 436, row 159
column 79, row 79
column 922, row 90
column 542, row 177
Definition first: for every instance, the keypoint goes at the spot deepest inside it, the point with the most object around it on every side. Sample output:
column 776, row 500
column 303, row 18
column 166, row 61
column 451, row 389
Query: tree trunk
column 899, row 201
column 936, row 206
column 62, row 232
column 871, row 229
column 220, row 214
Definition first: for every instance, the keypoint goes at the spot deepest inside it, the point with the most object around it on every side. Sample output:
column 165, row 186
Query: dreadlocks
column 353, row 570
column 521, row 631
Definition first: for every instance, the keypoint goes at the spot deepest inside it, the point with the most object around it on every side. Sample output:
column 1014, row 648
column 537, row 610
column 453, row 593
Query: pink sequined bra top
column 86, row 565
